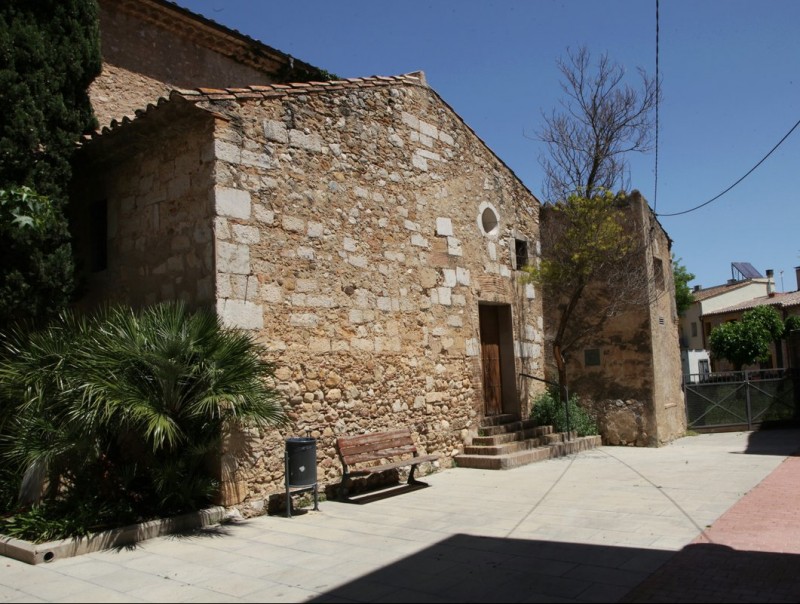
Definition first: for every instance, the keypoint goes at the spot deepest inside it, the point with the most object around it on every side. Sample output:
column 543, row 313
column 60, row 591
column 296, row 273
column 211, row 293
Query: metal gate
column 739, row 399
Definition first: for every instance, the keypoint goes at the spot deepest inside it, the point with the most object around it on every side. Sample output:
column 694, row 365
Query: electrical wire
column 658, row 95
column 780, row 142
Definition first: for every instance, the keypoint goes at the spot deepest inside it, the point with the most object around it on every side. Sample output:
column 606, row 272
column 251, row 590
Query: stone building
column 359, row 227
column 628, row 370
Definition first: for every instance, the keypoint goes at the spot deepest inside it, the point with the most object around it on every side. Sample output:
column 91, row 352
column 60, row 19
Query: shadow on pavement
column 774, row 441
column 706, row 572
column 465, row 568
column 385, row 493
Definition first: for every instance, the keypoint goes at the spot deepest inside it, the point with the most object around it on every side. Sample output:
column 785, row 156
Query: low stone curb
column 37, row 553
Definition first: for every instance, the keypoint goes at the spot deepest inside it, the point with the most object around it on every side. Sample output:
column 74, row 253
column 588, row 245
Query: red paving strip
column 767, row 519
column 750, row 554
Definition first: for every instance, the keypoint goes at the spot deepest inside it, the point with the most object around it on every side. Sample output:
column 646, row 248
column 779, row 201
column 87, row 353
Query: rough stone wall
column 159, row 228
column 634, row 391
column 669, row 403
column 143, row 60
column 348, row 236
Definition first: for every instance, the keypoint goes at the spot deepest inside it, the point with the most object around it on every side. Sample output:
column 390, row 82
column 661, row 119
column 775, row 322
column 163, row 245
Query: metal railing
column 739, row 399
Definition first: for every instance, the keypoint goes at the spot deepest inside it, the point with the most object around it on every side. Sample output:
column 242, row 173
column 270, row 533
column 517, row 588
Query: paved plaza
column 611, row 524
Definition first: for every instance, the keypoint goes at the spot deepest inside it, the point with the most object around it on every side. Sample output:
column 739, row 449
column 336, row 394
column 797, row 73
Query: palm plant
column 132, row 405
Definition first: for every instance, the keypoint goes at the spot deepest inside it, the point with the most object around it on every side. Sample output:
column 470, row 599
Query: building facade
column 358, row 228
column 627, row 367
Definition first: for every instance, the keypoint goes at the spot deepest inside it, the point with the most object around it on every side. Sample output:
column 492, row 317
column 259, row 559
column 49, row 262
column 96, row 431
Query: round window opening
column 489, row 221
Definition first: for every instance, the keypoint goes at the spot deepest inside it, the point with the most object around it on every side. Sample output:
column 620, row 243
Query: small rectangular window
column 521, row 250
column 98, row 217
column 658, row 270
column 591, row 357
column 694, row 329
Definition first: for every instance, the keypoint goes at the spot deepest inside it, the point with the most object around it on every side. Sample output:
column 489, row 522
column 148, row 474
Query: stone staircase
column 505, row 442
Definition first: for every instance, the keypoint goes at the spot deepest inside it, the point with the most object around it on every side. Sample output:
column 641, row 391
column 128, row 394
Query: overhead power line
column 658, row 102
column 750, row 171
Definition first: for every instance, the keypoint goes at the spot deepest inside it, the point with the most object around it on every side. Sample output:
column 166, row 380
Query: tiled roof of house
column 710, row 292
column 214, row 100
column 269, row 91
column 781, row 300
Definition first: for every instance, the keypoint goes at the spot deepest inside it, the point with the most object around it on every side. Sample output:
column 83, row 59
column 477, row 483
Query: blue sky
column 730, row 83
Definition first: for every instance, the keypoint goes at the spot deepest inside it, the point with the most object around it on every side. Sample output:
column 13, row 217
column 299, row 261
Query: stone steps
column 505, row 428
column 508, row 437
column 506, row 442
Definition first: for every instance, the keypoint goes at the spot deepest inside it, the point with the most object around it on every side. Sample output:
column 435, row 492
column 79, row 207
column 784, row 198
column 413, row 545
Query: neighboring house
column 746, row 284
column 359, row 228
column 786, row 304
column 630, row 367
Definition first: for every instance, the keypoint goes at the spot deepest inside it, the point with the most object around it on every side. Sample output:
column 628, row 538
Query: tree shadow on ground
column 774, row 441
column 466, row 568
column 707, row 572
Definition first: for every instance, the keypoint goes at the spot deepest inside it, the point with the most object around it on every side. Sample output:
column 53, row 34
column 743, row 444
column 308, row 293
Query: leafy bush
column 49, row 55
column 122, row 414
column 791, row 324
column 36, row 275
column 549, row 410
column 748, row 340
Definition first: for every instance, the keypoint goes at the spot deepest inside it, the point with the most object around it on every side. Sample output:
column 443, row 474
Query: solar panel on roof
column 746, row 270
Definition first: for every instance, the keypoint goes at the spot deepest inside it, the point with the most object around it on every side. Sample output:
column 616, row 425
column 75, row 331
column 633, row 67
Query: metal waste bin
column 301, row 469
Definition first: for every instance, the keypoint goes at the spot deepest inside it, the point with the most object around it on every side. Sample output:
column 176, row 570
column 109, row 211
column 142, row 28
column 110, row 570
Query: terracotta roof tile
column 198, row 96
column 781, row 300
column 248, row 95
column 262, row 92
column 715, row 290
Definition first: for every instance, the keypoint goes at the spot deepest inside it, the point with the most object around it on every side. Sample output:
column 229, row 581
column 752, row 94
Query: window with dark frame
column 98, row 219
column 591, row 357
column 521, row 250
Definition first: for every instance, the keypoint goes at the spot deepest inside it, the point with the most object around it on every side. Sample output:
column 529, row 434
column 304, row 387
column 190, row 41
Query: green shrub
column 549, row 410
column 122, row 414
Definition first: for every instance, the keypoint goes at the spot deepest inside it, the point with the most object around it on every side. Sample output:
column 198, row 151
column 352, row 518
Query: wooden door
column 490, row 357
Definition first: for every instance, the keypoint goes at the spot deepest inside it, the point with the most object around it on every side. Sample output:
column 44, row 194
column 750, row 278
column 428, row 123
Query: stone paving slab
column 750, row 554
column 584, row 528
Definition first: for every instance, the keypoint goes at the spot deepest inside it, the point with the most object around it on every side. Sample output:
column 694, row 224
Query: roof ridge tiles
column 254, row 92
column 293, row 87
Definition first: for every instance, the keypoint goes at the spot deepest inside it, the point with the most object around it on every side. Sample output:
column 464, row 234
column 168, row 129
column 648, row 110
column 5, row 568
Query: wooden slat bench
column 395, row 445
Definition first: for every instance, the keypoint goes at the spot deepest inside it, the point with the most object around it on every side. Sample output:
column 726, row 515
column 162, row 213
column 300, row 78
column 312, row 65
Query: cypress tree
column 49, row 54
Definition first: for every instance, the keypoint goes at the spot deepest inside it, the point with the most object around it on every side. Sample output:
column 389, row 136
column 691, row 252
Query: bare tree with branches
column 601, row 120
column 595, row 255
